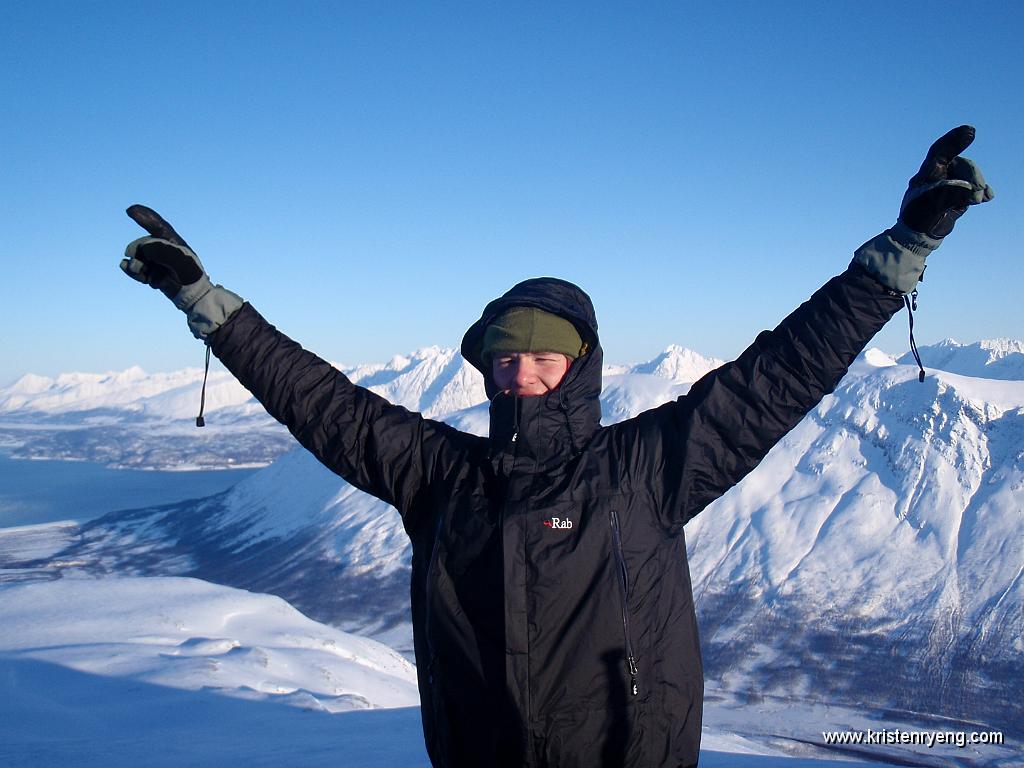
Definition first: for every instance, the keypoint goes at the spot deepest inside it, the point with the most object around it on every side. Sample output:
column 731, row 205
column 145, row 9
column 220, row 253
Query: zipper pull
column 633, row 688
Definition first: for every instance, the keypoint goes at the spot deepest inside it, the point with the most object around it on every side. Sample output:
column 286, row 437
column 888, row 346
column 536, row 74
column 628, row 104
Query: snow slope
column 123, row 672
column 190, row 634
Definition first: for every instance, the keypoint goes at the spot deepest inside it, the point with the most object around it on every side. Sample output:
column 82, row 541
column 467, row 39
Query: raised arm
column 708, row 440
column 731, row 418
column 378, row 447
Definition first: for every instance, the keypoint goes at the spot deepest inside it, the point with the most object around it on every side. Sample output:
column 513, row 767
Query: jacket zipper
column 515, row 419
column 431, row 569
column 624, row 590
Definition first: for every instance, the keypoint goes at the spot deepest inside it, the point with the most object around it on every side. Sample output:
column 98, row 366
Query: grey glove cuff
column 208, row 306
column 191, row 293
column 896, row 257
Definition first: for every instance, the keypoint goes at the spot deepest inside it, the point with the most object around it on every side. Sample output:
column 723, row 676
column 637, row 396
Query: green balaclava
column 528, row 329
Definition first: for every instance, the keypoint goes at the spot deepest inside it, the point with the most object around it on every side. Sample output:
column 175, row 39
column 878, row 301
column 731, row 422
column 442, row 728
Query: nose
column 526, row 372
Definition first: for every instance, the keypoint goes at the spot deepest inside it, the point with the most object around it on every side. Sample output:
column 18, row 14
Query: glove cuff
column 208, row 306
column 896, row 257
column 189, row 294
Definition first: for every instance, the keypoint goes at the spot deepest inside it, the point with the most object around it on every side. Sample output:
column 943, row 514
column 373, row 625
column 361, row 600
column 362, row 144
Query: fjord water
column 38, row 491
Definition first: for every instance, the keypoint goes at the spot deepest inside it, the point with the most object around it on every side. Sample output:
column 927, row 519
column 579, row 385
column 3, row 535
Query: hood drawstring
column 911, row 301
column 568, row 422
column 200, row 422
column 515, row 412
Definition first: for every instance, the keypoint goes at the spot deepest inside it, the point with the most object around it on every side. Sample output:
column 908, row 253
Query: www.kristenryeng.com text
column 903, row 736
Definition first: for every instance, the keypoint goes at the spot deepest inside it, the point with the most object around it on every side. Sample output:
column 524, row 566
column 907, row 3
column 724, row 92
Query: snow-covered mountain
column 989, row 359
column 876, row 555
column 873, row 559
column 134, row 419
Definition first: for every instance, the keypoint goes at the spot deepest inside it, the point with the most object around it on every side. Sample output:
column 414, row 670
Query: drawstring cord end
column 200, row 421
column 911, row 301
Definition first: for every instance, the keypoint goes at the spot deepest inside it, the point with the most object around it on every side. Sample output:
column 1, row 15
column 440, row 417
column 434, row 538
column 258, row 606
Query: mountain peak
column 990, row 358
column 30, row 384
column 678, row 363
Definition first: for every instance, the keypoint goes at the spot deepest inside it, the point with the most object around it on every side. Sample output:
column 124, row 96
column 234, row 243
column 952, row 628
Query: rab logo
column 557, row 522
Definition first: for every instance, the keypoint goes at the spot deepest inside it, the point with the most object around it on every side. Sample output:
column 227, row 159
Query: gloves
column 938, row 194
column 165, row 262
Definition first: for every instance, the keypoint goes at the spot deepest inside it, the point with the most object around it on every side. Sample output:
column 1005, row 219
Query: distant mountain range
column 147, row 421
column 875, row 559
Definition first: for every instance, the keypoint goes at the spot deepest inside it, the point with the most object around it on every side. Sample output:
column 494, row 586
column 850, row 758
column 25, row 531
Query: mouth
column 523, row 392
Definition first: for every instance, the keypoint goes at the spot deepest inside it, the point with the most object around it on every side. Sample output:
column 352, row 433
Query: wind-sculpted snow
column 186, row 633
column 874, row 557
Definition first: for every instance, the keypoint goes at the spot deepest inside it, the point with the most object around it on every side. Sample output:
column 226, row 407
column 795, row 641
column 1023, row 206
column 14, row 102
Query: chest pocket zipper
column 429, row 589
column 620, row 560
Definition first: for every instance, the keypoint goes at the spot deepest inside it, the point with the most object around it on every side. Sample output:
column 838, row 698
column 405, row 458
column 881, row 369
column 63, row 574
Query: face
column 527, row 374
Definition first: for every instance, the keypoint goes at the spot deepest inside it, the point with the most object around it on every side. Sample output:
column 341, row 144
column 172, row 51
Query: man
column 552, row 611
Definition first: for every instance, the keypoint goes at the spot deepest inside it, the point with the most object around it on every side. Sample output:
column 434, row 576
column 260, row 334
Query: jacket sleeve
column 709, row 439
column 380, row 448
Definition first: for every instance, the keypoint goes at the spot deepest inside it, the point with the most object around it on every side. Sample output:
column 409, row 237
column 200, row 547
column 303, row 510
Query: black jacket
column 552, row 611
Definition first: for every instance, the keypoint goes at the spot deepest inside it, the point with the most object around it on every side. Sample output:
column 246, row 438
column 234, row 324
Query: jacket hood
column 564, row 419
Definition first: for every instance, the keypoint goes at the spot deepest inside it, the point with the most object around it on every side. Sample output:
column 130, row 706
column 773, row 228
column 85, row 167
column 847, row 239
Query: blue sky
column 369, row 174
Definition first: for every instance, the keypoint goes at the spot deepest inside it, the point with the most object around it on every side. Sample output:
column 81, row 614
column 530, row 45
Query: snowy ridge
column 990, row 359
column 628, row 391
column 432, row 381
column 678, row 364
column 132, row 389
